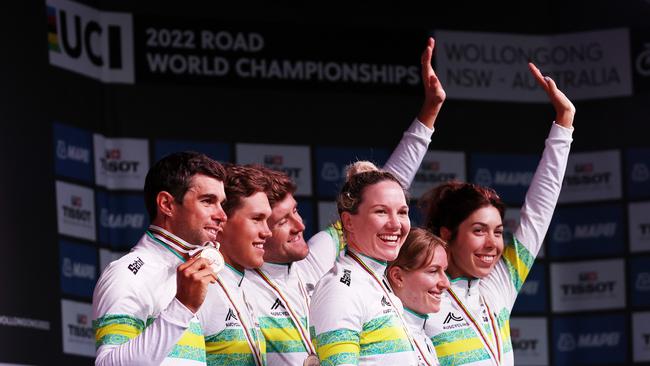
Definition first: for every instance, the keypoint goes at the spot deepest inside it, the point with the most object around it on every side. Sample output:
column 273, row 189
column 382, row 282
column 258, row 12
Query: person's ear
column 445, row 234
column 165, row 202
column 346, row 221
column 396, row 276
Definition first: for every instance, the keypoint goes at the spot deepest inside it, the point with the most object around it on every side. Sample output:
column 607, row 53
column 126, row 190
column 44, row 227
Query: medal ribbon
column 294, row 318
column 372, row 274
column 177, row 243
column 496, row 356
column 169, row 241
column 254, row 346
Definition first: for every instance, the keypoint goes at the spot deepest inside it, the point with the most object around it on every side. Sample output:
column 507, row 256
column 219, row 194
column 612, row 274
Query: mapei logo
column 530, row 288
column 513, row 178
column 65, row 151
column 121, row 220
column 643, row 281
column 330, row 172
column 568, row 343
column 562, row 233
column 72, row 269
column 483, row 177
column 91, row 42
column 640, row 173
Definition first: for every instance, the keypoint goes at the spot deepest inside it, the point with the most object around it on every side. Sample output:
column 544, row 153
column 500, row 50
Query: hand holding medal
column 211, row 252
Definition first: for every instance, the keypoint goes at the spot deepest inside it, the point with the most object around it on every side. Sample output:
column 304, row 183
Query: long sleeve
column 407, row 156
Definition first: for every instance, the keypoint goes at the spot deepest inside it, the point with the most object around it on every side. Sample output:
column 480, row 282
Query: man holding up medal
column 145, row 303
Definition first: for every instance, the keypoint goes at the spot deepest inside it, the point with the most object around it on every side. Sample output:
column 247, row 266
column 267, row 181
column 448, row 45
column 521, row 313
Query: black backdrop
column 33, row 94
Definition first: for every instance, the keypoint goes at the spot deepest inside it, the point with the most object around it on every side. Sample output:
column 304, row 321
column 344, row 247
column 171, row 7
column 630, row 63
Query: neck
column 453, row 271
column 231, row 263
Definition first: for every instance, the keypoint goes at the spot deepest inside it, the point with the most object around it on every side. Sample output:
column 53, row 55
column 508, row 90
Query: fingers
column 538, row 76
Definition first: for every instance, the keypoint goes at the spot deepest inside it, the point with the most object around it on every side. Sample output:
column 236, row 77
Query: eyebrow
column 484, row 224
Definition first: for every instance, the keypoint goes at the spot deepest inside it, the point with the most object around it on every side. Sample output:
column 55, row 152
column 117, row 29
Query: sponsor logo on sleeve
column 346, row 278
column 90, row 42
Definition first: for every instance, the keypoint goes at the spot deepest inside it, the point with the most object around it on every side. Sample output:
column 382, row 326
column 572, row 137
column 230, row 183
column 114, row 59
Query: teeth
column 259, row 246
column 388, row 237
column 487, row 258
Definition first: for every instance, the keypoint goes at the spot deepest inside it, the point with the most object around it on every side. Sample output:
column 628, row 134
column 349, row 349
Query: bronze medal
column 311, row 360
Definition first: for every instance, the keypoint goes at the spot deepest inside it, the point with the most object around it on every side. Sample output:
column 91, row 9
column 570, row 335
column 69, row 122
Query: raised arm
column 407, row 156
column 541, row 198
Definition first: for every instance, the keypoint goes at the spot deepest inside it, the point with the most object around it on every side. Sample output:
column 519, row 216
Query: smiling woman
column 370, row 328
column 486, row 273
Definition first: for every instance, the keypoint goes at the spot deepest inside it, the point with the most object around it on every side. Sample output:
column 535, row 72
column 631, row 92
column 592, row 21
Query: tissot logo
column 66, row 151
column 111, row 162
column 82, row 328
column 277, row 304
column 231, row 315
column 93, row 43
column 273, row 159
column 75, row 211
column 588, row 284
column 452, row 317
column 640, row 173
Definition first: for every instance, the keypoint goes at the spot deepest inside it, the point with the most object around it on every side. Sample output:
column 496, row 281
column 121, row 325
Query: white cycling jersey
column 137, row 318
column 416, row 323
column 490, row 300
column 353, row 320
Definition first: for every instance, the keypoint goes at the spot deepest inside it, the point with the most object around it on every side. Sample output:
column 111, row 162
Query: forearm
column 407, row 156
column 121, row 342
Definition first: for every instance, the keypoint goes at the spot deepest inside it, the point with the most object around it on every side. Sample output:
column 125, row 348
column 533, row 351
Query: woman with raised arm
column 356, row 319
column 486, row 274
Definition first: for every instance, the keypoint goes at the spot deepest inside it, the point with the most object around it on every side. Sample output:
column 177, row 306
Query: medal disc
column 216, row 257
column 311, row 360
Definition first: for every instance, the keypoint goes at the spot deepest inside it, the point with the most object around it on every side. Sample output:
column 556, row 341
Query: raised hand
column 434, row 94
column 564, row 109
column 192, row 279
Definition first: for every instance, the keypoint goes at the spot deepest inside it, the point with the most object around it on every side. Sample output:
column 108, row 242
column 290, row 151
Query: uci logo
column 91, row 42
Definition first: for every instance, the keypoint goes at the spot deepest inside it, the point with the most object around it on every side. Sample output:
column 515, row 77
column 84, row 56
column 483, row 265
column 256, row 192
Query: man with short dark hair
column 145, row 303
